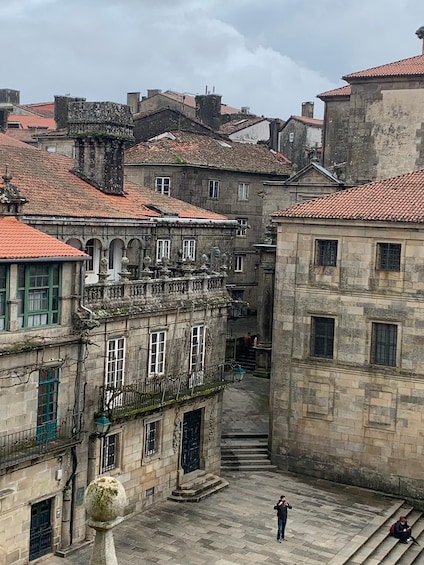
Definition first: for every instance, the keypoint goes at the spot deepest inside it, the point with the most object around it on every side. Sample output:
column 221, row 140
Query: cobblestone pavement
column 237, row 526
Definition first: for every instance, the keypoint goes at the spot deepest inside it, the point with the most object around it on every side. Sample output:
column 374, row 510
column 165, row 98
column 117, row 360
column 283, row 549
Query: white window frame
column 152, row 427
column 242, row 227
column 243, row 191
column 157, row 353
column 238, row 263
column 163, row 185
column 197, row 348
column 189, row 249
column 163, row 249
column 214, row 188
column 111, row 441
column 115, row 368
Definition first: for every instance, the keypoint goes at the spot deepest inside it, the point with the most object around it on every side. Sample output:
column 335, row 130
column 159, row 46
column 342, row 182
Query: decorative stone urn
column 104, row 501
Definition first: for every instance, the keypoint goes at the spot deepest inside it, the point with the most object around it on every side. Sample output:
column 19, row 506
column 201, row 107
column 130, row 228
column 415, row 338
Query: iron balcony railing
column 45, row 438
column 157, row 391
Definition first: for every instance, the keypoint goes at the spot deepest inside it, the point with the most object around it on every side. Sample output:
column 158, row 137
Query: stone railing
column 154, row 392
column 145, row 290
column 34, row 442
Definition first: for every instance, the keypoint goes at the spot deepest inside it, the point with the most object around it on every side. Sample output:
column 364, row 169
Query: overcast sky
column 269, row 55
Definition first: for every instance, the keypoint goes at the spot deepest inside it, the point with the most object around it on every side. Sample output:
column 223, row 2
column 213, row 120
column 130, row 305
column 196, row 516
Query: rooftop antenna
column 420, row 34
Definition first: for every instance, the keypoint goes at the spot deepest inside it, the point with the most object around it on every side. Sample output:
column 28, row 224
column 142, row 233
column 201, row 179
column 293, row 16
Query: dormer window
column 163, row 185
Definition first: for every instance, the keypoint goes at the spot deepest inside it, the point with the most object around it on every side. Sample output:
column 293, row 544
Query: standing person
column 247, row 342
column 281, row 507
column 402, row 531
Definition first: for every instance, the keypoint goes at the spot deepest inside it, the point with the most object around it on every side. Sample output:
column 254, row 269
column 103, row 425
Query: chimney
column 308, row 109
column 5, row 110
column 101, row 130
column 245, row 110
column 420, row 34
column 133, row 99
column 9, row 96
column 208, row 110
column 61, row 104
column 153, row 91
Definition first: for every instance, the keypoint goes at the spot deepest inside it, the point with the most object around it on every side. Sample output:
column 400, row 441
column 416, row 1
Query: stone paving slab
column 237, row 526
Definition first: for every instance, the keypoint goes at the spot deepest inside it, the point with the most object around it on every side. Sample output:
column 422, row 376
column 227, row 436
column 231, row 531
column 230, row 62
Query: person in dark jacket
column 402, row 530
column 281, row 507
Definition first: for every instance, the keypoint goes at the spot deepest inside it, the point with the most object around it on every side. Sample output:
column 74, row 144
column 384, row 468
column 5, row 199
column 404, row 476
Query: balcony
column 38, row 441
column 156, row 392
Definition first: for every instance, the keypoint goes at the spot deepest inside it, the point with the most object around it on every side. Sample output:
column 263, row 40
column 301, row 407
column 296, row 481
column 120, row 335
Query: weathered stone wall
column 335, row 134
column 344, row 418
column 150, row 125
column 294, row 150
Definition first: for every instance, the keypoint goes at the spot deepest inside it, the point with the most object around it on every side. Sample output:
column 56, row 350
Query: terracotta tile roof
column 19, row 241
column 24, row 135
column 239, row 125
column 342, row 91
column 414, row 66
column 45, row 109
column 307, row 121
column 32, row 121
column 190, row 100
column 44, row 177
column 201, row 150
column 398, row 199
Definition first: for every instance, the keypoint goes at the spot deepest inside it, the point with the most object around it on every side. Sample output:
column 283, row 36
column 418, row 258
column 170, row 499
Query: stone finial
column 11, row 200
column 104, row 501
column 420, row 34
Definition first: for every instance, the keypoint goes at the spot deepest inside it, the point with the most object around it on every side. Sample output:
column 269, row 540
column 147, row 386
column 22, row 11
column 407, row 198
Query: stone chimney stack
column 133, row 99
column 420, row 34
column 208, row 110
column 308, row 109
column 61, row 105
column 10, row 96
column 101, row 131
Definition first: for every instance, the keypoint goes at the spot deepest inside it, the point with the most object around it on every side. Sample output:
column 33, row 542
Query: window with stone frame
column 322, row 337
column 38, row 294
column 388, row 256
column 152, row 437
column 326, row 252
column 157, row 350
column 241, row 230
column 243, row 191
column 384, row 344
column 189, row 249
column 115, row 371
column 214, row 186
column 238, row 263
column 163, row 249
column 110, row 452
column 197, row 348
column 163, row 185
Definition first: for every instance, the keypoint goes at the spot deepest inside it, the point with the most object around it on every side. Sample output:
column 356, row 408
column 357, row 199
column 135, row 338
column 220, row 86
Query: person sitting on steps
column 402, row 531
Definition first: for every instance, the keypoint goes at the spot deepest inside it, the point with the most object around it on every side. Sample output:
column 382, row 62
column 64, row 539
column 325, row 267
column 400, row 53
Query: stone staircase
column 245, row 452
column 197, row 486
column 374, row 545
column 247, row 360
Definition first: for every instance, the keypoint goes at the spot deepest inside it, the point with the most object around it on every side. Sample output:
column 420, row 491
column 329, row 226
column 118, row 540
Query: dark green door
column 190, row 453
column 48, row 384
column 40, row 540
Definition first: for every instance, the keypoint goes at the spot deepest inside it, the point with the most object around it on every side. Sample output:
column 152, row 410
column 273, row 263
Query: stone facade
column 335, row 134
column 346, row 414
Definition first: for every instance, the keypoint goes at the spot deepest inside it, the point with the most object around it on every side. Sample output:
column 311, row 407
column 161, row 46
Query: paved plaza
column 237, row 526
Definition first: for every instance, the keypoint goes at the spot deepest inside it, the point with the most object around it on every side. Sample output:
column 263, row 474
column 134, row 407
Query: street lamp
column 102, row 424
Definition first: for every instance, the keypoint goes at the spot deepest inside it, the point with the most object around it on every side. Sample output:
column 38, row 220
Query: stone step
column 242, row 435
column 265, row 466
column 249, row 455
column 199, row 488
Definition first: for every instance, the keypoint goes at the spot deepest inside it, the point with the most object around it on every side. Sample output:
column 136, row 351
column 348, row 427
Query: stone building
column 372, row 125
column 347, row 384
column 222, row 176
column 136, row 339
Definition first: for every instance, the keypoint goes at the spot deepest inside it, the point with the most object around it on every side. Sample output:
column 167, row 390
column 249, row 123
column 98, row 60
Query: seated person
column 402, row 531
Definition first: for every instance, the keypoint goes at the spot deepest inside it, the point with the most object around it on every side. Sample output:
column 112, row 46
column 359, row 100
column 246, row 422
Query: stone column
column 104, row 501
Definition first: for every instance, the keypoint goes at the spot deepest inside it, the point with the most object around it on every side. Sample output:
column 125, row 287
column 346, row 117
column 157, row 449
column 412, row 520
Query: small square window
column 322, row 338
column 384, row 344
column 388, row 256
column 326, row 252
column 110, row 455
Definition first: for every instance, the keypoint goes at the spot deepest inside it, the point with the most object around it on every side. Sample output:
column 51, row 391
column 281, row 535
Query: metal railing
column 32, row 442
column 157, row 391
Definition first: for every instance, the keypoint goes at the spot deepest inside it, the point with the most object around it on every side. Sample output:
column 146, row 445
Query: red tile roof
column 398, row 199
column 45, row 109
column 45, row 178
column 32, row 121
column 414, row 66
column 19, row 241
column 188, row 148
column 342, row 91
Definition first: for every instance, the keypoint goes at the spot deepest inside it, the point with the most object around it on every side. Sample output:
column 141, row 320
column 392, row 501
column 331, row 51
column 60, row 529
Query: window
column 291, row 137
column 163, row 185
column 51, row 148
column 48, row 388
column 115, row 369
column 242, row 227
column 3, row 296
column 151, row 438
column 162, row 249
column 322, row 342
column 388, row 256
column 157, row 353
column 197, row 348
column 238, row 263
column 213, row 188
column 326, row 252
column 243, row 191
column 110, row 454
column 38, row 294
column 189, row 249
column 383, row 344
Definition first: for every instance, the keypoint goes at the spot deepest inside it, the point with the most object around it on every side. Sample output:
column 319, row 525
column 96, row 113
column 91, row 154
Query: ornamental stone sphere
column 105, row 499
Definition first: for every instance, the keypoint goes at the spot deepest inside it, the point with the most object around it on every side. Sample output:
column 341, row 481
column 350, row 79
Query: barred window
column 384, row 344
column 388, row 256
column 326, row 252
column 322, row 338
